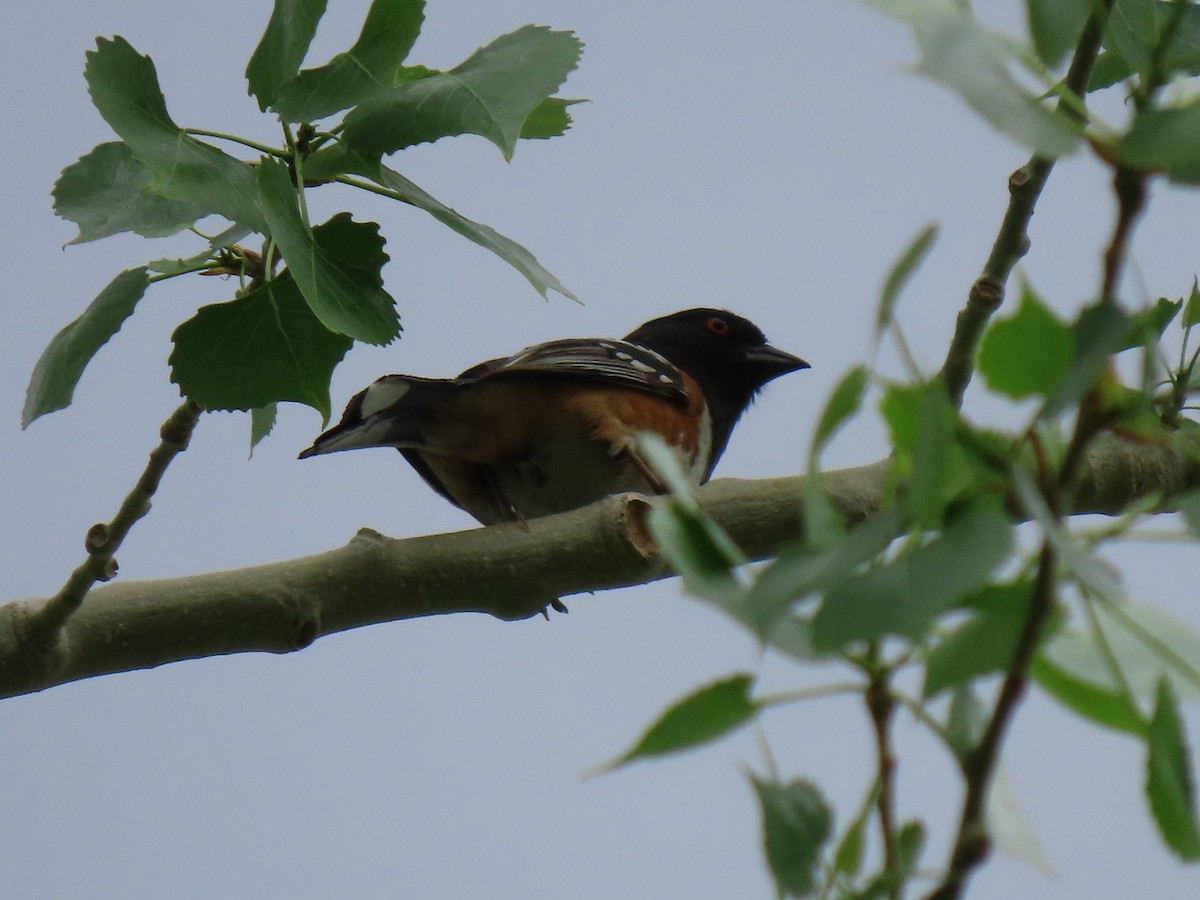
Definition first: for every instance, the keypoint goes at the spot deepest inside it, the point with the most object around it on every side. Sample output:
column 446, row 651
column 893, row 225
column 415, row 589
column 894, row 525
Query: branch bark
column 506, row 571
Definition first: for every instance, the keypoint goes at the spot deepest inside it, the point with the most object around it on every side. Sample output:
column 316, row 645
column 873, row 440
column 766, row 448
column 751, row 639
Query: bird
column 555, row 427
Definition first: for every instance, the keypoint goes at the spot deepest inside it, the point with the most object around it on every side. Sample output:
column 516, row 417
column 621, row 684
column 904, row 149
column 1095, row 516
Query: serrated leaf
column 282, row 48
column 337, row 265
column 1165, row 139
column 1028, row 353
column 901, row 271
column 267, row 346
column 796, row 824
column 365, row 70
column 905, row 596
column 262, row 423
column 1148, row 324
column 108, row 191
column 491, row 94
column 984, row 643
column 1169, row 782
column 549, row 119
column 58, row 369
column 1055, row 26
column 701, row 717
column 124, row 88
column 843, row 403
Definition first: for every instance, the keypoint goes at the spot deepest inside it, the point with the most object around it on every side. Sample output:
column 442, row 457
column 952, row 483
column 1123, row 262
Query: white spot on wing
column 381, row 395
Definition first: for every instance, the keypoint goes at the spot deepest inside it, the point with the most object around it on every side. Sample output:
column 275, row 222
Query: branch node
column 96, row 539
column 635, row 520
column 109, row 571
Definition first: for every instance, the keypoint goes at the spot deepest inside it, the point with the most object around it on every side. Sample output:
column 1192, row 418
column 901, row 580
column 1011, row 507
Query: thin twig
column 1012, row 241
column 881, row 707
column 103, row 540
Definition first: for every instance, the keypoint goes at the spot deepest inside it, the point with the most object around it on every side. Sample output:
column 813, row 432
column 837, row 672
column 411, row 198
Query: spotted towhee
column 555, row 427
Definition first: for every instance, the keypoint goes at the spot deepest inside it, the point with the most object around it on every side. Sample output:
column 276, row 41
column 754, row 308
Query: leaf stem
column 234, row 139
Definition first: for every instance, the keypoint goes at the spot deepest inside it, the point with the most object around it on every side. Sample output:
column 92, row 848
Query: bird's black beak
column 773, row 362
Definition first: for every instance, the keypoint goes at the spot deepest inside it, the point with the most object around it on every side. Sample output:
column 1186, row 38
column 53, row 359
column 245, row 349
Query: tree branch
column 1012, row 241
column 506, row 571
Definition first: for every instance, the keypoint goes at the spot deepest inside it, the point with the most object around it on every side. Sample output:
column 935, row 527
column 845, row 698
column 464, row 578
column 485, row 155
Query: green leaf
column 1189, row 506
column 805, row 571
column 108, row 192
column 1169, row 783
column 209, row 256
column 1110, row 68
column 265, row 347
column 62, row 362
column 906, row 595
column 1104, row 706
column 1133, row 31
column 1191, row 309
column 1099, row 332
column 262, row 422
column 337, row 265
column 405, row 191
column 796, row 824
column 124, row 88
column 984, row 643
column 1055, row 26
column 1165, row 139
column 843, row 403
column 701, row 717
column 1009, row 827
column 549, row 119
column 365, row 70
column 1146, row 325
column 966, row 722
column 901, row 271
column 848, row 857
column 974, row 63
column 282, row 47
column 1028, row 353
column 491, row 94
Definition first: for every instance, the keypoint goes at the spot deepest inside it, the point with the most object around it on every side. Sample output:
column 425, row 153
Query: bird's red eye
column 717, row 325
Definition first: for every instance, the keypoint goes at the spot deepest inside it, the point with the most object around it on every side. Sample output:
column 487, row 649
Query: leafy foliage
column 283, row 335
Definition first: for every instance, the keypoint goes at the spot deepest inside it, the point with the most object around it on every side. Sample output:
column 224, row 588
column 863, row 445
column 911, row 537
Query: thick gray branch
column 507, row 571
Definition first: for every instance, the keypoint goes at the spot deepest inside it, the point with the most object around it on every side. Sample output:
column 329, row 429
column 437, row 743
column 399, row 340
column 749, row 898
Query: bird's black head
column 727, row 355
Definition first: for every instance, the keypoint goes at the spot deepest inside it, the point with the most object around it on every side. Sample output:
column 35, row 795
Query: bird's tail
column 392, row 412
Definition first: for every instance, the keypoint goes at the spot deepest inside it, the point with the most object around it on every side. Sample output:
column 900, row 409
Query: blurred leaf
column 1102, row 705
column 796, row 824
column 1055, row 26
column 1147, row 325
column 407, row 192
column 1182, row 56
column 1110, row 68
column 1133, row 31
column 848, row 857
column 703, row 716
column 1009, row 827
column 282, row 47
column 924, row 425
column 1169, row 784
column 1165, row 139
column 1027, row 353
column 965, row 722
column 1191, row 310
column 338, row 265
column 903, row 597
column 1099, row 332
column 984, row 643
column 804, row 571
column 365, row 70
column 901, row 271
column 843, row 403
column 1189, row 506
column 52, row 384
column 910, row 843
column 549, row 119
column 491, row 94
column 124, row 88
column 264, row 347
column 662, row 458
column 108, row 192
column 698, row 550
column 262, row 422
column 974, row 62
